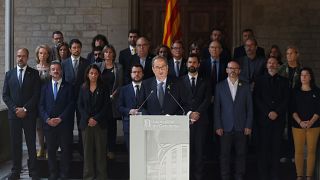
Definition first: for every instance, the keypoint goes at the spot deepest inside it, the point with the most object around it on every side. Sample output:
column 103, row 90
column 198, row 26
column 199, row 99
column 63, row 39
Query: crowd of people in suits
column 248, row 101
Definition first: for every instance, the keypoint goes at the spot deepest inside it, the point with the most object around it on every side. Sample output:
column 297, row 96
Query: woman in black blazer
column 95, row 109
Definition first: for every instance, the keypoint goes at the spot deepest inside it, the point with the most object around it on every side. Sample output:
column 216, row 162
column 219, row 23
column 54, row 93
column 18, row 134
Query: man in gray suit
column 233, row 116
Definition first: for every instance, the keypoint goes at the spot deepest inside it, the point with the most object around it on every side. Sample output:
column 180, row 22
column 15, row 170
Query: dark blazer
column 183, row 68
column 118, row 81
column 232, row 115
column 269, row 98
column 126, row 102
column 205, row 69
column 54, row 53
column 124, row 59
column 147, row 70
column 102, row 107
column 62, row 107
column 240, row 51
column 199, row 100
column 205, row 72
column 152, row 105
column 27, row 96
column 74, row 78
column 251, row 69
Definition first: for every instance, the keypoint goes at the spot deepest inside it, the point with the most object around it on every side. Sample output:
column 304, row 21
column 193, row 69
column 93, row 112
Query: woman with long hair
column 43, row 54
column 112, row 76
column 306, row 124
column 63, row 51
column 94, row 106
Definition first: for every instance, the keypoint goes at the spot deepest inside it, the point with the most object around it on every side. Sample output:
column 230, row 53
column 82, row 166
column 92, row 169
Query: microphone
column 145, row 100
column 183, row 111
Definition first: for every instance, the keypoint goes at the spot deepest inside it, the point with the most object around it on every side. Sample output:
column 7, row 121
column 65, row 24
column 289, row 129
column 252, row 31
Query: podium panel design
column 159, row 147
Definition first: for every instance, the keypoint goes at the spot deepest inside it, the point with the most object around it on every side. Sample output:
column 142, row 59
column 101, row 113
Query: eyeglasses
column 176, row 48
column 158, row 68
column 142, row 45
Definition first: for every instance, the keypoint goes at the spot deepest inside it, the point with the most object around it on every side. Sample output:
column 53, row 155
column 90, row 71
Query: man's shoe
column 14, row 176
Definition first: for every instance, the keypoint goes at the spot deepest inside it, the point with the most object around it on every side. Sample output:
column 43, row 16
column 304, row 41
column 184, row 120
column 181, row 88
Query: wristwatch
column 24, row 109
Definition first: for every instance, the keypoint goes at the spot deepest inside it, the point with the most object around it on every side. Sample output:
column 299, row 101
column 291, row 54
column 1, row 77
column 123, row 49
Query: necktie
column 142, row 62
column 55, row 90
column 214, row 72
column 137, row 93
column 177, row 68
column 193, row 84
column 133, row 51
column 75, row 65
column 20, row 77
column 160, row 93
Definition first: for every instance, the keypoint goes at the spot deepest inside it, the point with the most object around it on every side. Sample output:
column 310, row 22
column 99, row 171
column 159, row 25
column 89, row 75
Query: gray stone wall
column 35, row 20
column 2, row 63
column 285, row 22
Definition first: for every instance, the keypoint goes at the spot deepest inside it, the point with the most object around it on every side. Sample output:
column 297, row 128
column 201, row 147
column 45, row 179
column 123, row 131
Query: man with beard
column 73, row 73
column 21, row 90
column 270, row 97
column 130, row 99
column 199, row 94
column 233, row 116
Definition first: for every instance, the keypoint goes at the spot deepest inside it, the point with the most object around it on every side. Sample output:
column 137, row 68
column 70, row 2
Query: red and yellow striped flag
column 171, row 31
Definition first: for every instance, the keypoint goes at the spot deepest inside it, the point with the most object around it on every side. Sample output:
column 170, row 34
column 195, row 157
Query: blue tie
column 160, row 93
column 20, row 77
column 55, row 90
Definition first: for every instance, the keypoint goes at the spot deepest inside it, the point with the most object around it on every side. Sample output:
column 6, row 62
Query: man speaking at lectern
column 163, row 94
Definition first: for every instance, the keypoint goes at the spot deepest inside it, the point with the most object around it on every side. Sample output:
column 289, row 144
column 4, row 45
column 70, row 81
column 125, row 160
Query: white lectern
column 159, row 147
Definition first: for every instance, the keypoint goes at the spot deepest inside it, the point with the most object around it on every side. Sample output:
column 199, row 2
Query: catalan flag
column 171, row 31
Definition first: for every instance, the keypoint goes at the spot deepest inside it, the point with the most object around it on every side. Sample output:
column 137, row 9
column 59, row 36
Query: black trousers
column 111, row 134
column 197, row 141
column 59, row 137
column 28, row 125
column 269, row 150
column 227, row 141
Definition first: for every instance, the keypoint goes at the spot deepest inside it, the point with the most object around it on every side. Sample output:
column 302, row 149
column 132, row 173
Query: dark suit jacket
column 183, row 68
column 69, row 75
column 118, row 81
column 126, row 102
column 240, row 51
column 54, row 53
column 205, row 72
column 147, row 70
column 124, row 59
column 62, row 107
column 199, row 100
column 27, row 96
column 251, row 69
column 269, row 98
column 102, row 107
column 152, row 105
column 232, row 115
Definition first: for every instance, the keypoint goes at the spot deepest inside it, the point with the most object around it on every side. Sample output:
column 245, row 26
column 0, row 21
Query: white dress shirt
column 233, row 88
column 23, row 72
